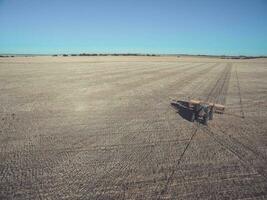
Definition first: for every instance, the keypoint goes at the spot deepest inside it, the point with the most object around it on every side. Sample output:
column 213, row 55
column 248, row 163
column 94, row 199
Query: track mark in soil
column 164, row 190
column 218, row 92
column 169, row 179
column 235, row 149
column 231, row 144
column 239, row 93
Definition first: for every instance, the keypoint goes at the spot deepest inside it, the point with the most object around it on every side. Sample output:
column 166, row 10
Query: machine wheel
column 211, row 115
column 205, row 120
column 193, row 117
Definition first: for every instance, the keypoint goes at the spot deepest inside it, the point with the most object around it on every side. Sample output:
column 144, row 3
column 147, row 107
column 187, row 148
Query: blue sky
column 230, row 27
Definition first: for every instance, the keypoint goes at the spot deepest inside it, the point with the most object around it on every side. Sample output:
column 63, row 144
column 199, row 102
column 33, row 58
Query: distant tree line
column 116, row 54
column 242, row 57
column 101, row 54
column 224, row 56
column 6, row 56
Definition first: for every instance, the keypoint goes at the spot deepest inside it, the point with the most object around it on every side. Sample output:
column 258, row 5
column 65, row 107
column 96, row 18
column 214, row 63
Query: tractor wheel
column 193, row 117
column 205, row 120
column 211, row 115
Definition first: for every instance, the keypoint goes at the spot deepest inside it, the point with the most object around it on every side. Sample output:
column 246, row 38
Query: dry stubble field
column 103, row 128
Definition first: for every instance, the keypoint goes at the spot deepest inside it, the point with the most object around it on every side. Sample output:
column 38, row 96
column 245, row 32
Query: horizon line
column 133, row 54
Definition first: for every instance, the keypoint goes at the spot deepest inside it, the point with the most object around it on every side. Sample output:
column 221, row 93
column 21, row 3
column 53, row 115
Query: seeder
column 200, row 110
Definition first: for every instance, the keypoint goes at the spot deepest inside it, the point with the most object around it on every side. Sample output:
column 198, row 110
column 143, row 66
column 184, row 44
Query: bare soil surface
column 103, row 128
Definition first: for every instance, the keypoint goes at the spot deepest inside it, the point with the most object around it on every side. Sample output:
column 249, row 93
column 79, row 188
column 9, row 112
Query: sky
column 216, row 27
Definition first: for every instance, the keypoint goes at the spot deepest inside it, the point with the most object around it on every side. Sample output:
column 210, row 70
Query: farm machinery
column 196, row 110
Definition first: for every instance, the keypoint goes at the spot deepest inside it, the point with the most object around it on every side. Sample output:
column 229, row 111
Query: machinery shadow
column 182, row 109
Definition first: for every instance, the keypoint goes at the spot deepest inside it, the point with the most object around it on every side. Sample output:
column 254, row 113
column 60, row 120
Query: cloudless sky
column 230, row 27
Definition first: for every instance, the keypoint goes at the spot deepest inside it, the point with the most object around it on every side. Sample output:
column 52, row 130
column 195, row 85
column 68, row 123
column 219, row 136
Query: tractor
column 200, row 111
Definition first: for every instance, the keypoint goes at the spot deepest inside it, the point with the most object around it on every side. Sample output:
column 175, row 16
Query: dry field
column 103, row 128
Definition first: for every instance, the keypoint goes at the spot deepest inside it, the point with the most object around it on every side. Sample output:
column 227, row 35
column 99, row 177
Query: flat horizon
column 130, row 54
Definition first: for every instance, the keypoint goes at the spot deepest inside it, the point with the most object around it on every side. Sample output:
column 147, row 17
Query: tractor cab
column 202, row 112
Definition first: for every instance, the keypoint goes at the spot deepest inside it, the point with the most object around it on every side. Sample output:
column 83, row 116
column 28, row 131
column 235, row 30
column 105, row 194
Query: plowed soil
column 103, row 128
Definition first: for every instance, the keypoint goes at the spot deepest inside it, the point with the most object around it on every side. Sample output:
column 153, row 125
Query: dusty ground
column 103, row 128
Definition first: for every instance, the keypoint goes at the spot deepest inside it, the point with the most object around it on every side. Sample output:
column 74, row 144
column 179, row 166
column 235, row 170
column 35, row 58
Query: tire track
column 239, row 93
column 162, row 96
column 235, row 149
column 218, row 92
column 170, row 178
column 231, row 144
column 193, row 134
column 256, row 153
